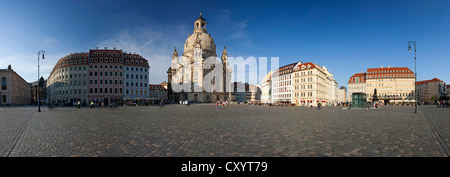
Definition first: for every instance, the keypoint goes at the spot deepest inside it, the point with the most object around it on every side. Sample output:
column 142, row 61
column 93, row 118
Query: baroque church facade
column 188, row 69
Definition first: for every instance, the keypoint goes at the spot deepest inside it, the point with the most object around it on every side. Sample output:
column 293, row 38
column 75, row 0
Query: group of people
column 222, row 103
column 443, row 103
column 113, row 105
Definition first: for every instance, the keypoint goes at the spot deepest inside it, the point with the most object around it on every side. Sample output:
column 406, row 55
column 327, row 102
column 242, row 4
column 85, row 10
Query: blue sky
column 345, row 36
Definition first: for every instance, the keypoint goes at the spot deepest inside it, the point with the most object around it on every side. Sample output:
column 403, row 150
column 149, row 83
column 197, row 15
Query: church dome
column 200, row 37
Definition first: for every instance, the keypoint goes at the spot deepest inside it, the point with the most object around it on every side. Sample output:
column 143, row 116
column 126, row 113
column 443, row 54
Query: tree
column 433, row 98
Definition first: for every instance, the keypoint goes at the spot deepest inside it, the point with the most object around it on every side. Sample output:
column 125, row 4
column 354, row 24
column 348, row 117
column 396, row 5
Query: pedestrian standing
column 79, row 104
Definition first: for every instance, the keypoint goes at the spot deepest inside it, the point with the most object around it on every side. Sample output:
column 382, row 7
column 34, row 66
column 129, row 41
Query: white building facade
column 266, row 88
column 282, row 84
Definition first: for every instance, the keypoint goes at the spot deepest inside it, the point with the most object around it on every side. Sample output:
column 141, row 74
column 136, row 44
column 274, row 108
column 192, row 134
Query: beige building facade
column 394, row 85
column 313, row 84
column 253, row 94
column 428, row 89
column 356, row 84
column 14, row 89
column 342, row 95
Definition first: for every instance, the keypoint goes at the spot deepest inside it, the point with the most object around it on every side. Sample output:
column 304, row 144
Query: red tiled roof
column 426, row 81
column 308, row 65
column 156, row 87
column 389, row 72
column 286, row 69
column 361, row 76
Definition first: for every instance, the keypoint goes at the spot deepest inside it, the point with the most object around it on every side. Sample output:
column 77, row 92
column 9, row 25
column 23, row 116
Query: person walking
column 79, row 105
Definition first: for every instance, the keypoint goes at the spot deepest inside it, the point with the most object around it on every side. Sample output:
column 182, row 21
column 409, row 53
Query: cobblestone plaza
column 201, row 130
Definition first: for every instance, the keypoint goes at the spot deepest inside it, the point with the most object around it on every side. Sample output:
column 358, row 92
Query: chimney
column 96, row 48
column 106, row 48
column 381, row 66
column 389, row 66
column 114, row 48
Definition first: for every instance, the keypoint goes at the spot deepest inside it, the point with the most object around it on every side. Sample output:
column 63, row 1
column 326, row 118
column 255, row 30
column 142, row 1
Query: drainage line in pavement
column 438, row 136
column 19, row 135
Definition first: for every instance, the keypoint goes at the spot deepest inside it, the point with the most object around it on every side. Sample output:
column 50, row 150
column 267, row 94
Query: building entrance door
column 105, row 101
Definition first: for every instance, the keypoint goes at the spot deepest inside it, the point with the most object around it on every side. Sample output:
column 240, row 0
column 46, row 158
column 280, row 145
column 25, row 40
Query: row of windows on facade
column 18, row 88
column 390, row 95
column 280, row 90
column 303, row 94
column 84, row 61
column 383, row 90
column 70, row 76
column 303, row 74
column 281, row 84
column 74, row 83
column 388, row 71
column 98, row 54
column 309, row 79
column 281, row 78
column 298, row 87
column 120, row 67
column 282, row 96
column 389, row 76
column 102, row 91
column 381, row 84
column 101, row 67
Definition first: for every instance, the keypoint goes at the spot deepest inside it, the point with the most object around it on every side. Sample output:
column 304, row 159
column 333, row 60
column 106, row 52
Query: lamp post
column 415, row 72
column 39, row 101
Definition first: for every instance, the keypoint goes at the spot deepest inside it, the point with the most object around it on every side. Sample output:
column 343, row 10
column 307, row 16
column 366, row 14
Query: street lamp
column 39, row 102
column 415, row 71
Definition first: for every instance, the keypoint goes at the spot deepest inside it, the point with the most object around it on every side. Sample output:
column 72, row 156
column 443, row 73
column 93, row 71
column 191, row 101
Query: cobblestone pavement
column 239, row 130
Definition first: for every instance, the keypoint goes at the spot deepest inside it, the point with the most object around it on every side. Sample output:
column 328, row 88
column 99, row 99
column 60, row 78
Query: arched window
column 4, row 83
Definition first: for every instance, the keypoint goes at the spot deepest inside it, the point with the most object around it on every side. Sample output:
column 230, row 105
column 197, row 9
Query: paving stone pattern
column 201, row 130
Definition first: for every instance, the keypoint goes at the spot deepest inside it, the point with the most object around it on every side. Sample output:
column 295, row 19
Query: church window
column 4, row 84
